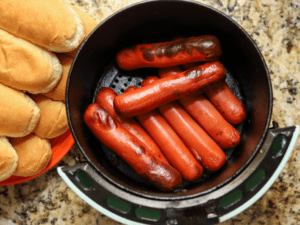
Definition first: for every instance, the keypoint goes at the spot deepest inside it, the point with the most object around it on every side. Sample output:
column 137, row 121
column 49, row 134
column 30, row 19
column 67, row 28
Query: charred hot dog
column 166, row 54
column 105, row 97
column 168, row 89
column 131, row 149
column 170, row 144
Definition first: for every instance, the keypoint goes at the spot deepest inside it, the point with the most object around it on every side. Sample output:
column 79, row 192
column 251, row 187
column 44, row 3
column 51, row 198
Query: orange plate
column 60, row 145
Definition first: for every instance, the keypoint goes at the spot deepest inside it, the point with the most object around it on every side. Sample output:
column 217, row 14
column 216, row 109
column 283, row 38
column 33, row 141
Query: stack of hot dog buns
column 182, row 120
column 38, row 40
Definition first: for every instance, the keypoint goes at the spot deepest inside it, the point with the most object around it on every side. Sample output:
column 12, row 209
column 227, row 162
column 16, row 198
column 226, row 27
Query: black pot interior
column 158, row 21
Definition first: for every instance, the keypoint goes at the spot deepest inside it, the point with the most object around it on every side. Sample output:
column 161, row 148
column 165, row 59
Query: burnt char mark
column 160, row 50
column 210, row 46
column 148, row 54
column 174, row 49
column 101, row 116
column 207, row 44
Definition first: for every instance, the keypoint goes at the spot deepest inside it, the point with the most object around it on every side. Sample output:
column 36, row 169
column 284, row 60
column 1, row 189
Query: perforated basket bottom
column 119, row 81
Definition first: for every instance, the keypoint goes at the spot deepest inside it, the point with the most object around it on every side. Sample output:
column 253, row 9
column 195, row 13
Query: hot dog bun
column 53, row 121
column 51, row 24
column 89, row 24
column 34, row 154
column 19, row 114
column 58, row 92
column 8, row 159
column 27, row 67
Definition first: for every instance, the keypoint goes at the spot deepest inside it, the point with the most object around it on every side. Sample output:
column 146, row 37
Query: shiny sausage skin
column 227, row 103
column 224, row 100
column 131, row 149
column 209, row 118
column 169, row 71
column 105, row 97
column 168, row 89
column 166, row 54
column 206, row 151
column 170, row 144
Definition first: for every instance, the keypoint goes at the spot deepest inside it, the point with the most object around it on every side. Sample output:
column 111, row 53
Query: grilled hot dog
column 168, row 89
column 224, row 100
column 105, row 97
column 131, row 149
column 166, row 54
column 227, row 103
column 223, row 133
column 170, row 144
column 209, row 154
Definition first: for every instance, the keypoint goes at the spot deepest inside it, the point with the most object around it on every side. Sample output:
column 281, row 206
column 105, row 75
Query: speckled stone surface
column 275, row 27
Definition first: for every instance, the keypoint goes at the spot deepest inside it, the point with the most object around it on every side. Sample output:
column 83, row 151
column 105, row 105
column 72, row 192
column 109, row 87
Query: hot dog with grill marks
column 208, row 117
column 168, row 89
column 105, row 97
column 170, row 144
column 224, row 100
column 166, row 54
column 131, row 149
column 209, row 154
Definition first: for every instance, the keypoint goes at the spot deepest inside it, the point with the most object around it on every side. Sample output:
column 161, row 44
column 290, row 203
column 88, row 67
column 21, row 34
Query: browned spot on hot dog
column 102, row 117
column 206, row 44
column 148, row 54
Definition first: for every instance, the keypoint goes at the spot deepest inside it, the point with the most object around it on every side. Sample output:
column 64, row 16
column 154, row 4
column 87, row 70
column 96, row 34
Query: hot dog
column 193, row 136
column 170, row 144
column 169, row 71
column 168, row 89
column 105, row 97
column 224, row 100
column 227, row 103
column 131, row 149
column 166, row 54
column 223, row 133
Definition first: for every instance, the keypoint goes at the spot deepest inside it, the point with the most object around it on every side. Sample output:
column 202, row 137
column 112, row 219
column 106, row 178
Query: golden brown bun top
column 25, row 66
column 58, row 93
column 89, row 24
column 8, row 159
column 53, row 121
column 34, row 154
column 43, row 22
column 18, row 113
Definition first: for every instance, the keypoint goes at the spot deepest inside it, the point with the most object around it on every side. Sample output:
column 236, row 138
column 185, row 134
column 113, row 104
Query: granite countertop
column 275, row 27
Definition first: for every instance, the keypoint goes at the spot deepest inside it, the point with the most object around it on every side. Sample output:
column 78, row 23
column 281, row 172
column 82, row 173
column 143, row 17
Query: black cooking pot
column 108, row 184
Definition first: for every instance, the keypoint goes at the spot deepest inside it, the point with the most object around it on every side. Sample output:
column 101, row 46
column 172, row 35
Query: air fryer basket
column 157, row 23
column 247, row 76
